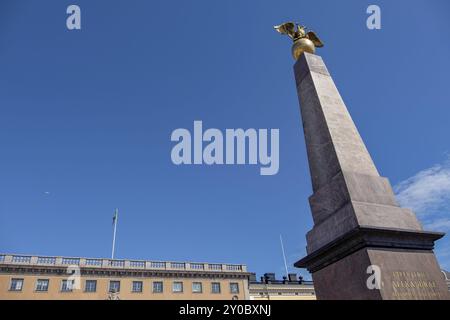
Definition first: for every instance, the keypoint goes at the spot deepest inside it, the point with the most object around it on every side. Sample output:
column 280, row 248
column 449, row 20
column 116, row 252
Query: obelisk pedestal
column 363, row 244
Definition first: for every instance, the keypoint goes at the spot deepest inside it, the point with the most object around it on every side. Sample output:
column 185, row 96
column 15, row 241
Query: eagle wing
column 315, row 39
column 286, row 28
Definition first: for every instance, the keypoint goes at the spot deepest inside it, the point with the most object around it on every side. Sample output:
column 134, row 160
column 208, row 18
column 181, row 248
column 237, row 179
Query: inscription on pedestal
column 414, row 285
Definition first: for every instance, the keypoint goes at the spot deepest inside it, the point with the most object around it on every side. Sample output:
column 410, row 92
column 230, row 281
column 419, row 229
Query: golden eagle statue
column 303, row 41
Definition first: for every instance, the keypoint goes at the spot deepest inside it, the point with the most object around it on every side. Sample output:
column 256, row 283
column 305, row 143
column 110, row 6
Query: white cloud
column 428, row 194
column 439, row 224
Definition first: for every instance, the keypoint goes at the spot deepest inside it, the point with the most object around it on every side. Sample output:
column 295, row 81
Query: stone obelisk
column 363, row 244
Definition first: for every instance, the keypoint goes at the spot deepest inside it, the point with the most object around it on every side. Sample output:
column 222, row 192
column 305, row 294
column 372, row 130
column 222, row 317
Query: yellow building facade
column 59, row 278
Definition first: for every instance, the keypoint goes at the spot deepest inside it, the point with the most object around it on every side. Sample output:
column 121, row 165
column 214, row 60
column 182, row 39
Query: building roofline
column 119, row 264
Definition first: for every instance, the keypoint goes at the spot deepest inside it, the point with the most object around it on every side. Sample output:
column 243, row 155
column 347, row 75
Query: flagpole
column 116, row 214
column 284, row 256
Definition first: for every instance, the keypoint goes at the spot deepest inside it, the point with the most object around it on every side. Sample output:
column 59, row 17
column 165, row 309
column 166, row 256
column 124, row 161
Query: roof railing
column 118, row 263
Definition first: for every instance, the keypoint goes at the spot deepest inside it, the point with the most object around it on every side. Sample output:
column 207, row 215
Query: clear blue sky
column 86, row 118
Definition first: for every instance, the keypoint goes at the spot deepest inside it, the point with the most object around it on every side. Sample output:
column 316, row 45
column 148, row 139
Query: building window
column 67, row 285
column 42, row 285
column 215, row 287
column 137, row 286
column 234, row 287
column 16, row 284
column 114, row 286
column 197, row 287
column 157, row 286
column 90, row 286
column 177, row 286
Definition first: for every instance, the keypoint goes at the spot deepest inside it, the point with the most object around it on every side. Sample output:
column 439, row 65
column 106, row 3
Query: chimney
column 269, row 277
